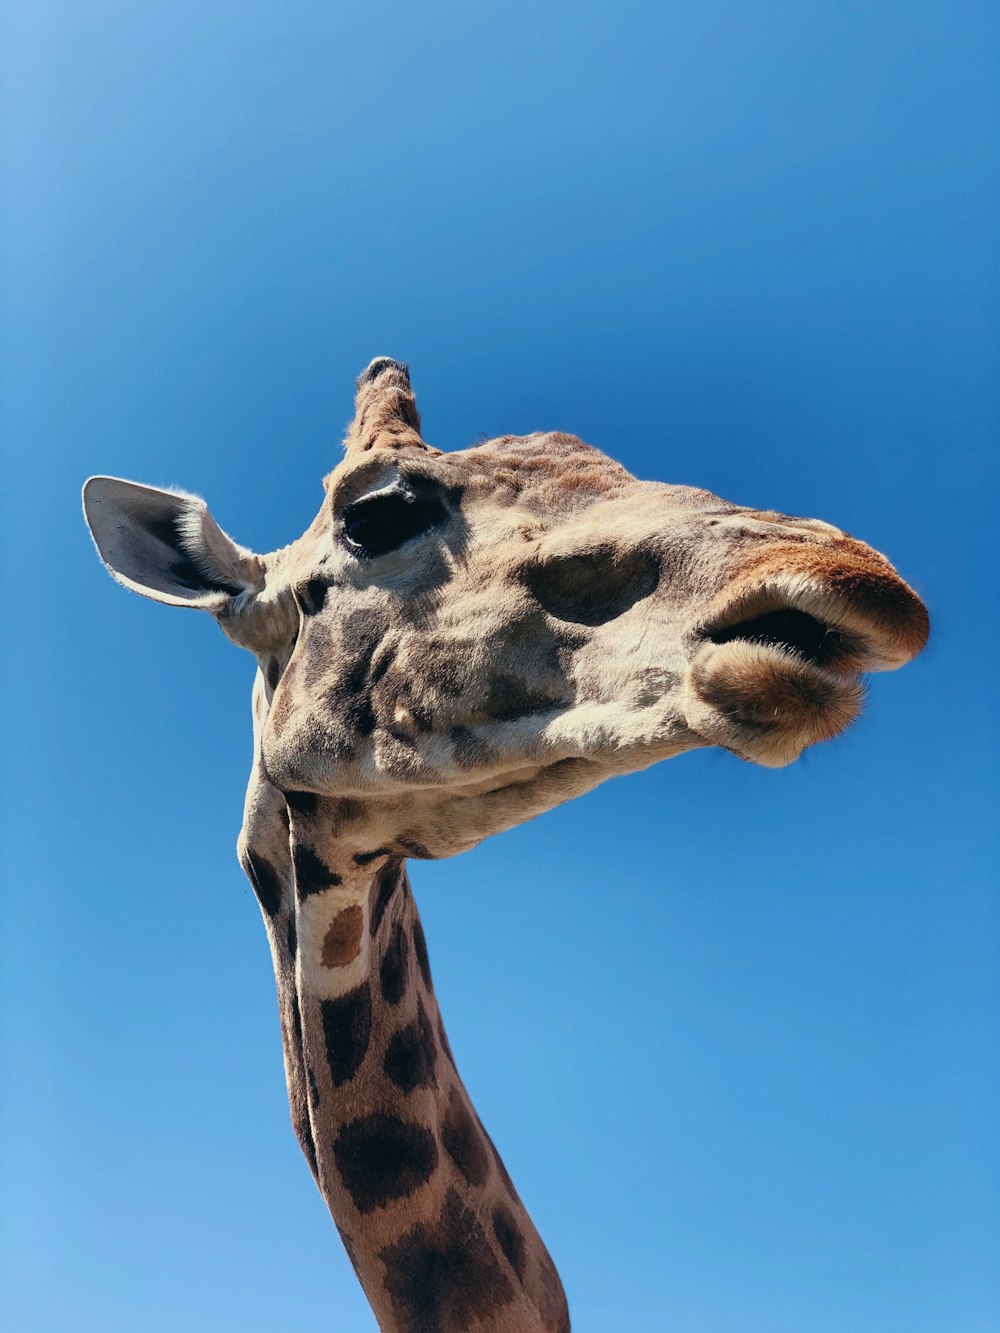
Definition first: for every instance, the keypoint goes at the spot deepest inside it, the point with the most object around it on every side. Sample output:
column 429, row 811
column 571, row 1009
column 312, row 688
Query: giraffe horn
column 385, row 410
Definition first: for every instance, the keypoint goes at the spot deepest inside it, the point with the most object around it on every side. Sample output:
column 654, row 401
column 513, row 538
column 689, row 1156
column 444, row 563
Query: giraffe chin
column 766, row 703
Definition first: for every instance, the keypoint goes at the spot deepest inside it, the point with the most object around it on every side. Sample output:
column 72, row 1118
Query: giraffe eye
column 380, row 523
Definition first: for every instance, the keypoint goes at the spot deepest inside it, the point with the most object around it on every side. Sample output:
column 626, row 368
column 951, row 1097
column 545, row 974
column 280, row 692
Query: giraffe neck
column 436, row 1232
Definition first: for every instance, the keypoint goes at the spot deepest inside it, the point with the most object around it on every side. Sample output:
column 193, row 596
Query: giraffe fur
column 458, row 643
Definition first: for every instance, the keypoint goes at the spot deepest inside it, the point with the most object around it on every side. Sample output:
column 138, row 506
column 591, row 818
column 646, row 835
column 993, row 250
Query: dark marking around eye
column 463, row 1142
column 445, row 1275
column 382, row 1157
column 594, row 587
column 347, row 1028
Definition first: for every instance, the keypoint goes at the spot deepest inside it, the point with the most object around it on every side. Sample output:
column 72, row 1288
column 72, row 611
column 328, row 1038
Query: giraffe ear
column 166, row 545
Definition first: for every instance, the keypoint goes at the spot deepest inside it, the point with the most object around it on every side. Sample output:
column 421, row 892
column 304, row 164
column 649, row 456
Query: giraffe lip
column 786, row 630
column 790, row 632
column 758, row 690
column 847, row 626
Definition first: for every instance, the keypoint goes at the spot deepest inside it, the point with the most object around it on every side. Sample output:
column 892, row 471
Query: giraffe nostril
column 594, row 586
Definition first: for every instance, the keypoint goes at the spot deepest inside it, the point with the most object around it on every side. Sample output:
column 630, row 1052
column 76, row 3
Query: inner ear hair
column 166, row 545
column 205, row 553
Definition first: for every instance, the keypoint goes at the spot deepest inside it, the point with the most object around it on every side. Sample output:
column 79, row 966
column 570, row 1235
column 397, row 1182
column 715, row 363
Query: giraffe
column 457, row 643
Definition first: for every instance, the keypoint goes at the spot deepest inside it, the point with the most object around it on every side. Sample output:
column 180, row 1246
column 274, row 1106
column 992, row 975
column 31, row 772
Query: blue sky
column 735, row 1031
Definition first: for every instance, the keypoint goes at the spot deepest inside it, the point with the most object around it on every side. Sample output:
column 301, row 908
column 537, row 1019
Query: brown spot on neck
column 342, row 943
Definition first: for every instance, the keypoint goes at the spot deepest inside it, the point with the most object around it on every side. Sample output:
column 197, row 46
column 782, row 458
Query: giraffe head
column 460, row 641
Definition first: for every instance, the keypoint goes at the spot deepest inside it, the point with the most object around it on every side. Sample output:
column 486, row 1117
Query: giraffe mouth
column 853, row 621
column 791, row 631
column 780, row 667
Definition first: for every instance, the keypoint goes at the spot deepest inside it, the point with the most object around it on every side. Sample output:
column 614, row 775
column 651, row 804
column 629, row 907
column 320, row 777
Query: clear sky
column 735, row 1031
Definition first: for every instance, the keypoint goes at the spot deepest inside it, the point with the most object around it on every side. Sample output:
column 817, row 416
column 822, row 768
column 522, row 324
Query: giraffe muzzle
column 779, row 667
column 847, row 613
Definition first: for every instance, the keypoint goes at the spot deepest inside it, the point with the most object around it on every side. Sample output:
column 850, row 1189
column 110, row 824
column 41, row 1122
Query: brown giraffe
column 457, row 643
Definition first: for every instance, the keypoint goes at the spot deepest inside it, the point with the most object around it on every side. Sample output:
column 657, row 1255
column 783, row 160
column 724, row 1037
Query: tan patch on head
column 551, row 473
column 342, row 943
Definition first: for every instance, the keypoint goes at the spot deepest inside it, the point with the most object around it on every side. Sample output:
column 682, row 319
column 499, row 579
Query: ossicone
column 385, row 409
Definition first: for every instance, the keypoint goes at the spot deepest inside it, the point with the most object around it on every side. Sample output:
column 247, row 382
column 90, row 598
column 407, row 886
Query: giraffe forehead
column 548, row 472
column 551, row 469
